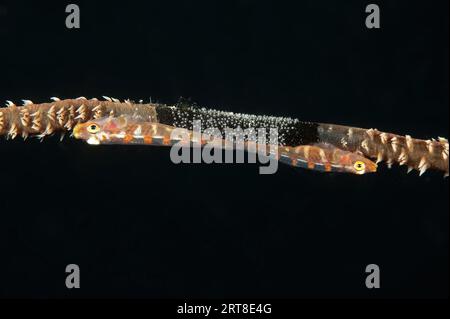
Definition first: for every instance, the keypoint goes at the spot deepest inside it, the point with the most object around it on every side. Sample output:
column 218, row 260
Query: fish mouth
column 77, row 132
column 374, row 167
column 370, row 168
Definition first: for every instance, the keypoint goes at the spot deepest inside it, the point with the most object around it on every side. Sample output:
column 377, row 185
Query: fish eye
column 359, row 166
column 93, row 128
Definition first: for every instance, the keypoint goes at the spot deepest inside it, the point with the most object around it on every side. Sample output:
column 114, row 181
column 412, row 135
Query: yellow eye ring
column 359, row 166
column 93, row 128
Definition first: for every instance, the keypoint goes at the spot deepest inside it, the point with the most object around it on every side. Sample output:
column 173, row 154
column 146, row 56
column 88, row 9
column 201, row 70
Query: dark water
column 140, row 226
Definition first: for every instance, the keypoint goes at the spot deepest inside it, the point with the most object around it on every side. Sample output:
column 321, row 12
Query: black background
column 140, row 226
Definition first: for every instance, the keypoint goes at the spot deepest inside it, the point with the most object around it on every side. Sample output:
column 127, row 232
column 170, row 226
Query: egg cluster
column 290, row 131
